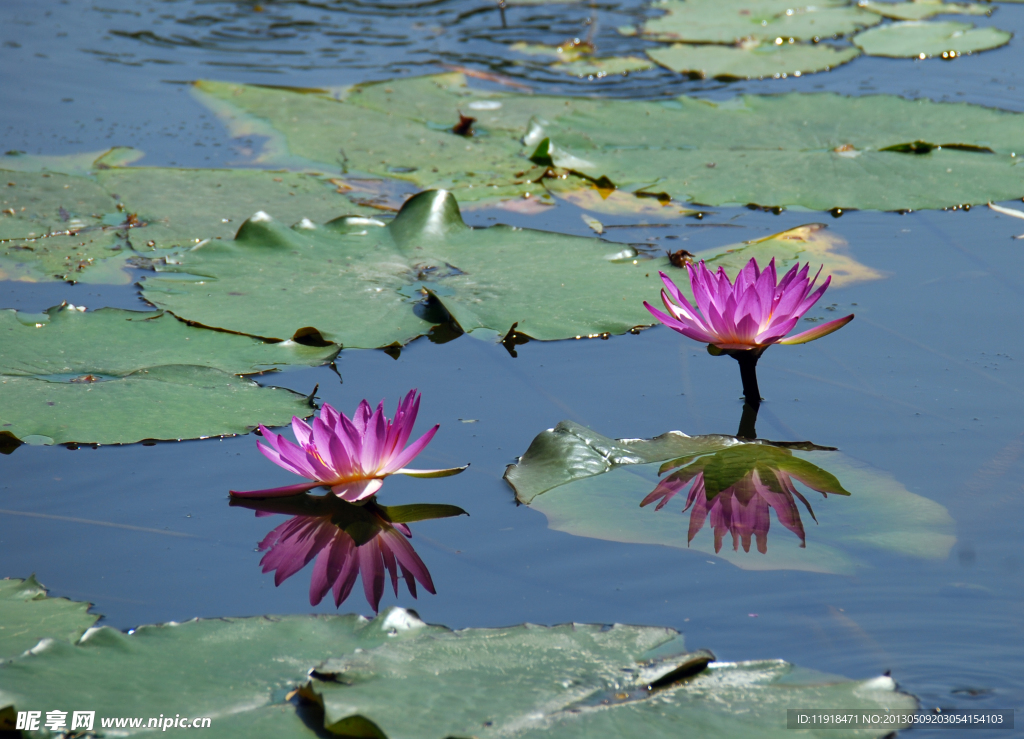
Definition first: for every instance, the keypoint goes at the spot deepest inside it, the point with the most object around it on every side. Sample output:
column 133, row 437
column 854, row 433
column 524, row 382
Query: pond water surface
column 926, row 384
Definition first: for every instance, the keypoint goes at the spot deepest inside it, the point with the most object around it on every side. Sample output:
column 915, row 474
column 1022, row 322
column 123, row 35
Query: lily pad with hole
column 350, row 673
column 922, row 39
column 919, row 10
column 66, row 340
column 730, row 491
column 366, row 284
column 731, row 21
column 819, row 151
column 28, row 614
column 753, row 61
column 171, row 402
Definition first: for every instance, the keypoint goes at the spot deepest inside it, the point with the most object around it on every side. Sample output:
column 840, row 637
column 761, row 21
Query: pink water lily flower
column 351, row 457
column 754, row 312
column 340, row 560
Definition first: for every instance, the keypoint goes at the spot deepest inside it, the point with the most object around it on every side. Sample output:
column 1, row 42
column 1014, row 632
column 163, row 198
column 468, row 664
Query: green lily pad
column 568, row 475
column 28, row 615
column 580, row 61
column 401, row 129
column 168, row 402
column 819, row 151
column 574, row 680
column 762, row 60
column 918, row 10
column 56, row 225
column 110, row 341
column 235, row 671
column 731, row 21
column 923, row 39
column 82, row 225
column 364, row 284
column 182, row 207
column 521, row 681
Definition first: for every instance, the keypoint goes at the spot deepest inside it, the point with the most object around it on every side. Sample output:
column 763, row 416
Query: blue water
column 926, row 384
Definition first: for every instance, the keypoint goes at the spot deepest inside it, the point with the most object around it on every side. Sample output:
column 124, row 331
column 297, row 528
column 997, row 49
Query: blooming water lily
column 737, row 486
column 744, row 317
column 351, row 457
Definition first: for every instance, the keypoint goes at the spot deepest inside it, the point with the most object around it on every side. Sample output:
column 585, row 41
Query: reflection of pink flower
column 339, row 559
column 351, row 457
column 747, row 481
column 754, row 312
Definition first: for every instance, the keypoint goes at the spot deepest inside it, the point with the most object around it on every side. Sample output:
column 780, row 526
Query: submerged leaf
column 366, row 284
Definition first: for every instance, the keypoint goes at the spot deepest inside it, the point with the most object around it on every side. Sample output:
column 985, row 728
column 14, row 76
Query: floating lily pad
column 568, row 474
column 84, row 224
column 182, row 207
column 115, row 342
column 56, row 225
column 917, row 10
column 591, row 196
column 168, row 402
column 364, row 284
column 574, row 680
column 730, row 21
column 923, row 39
column 759, row 61
column 580, row 60
column 114, row 376
column 819, row 151
column 28, row 615
column 520, row 681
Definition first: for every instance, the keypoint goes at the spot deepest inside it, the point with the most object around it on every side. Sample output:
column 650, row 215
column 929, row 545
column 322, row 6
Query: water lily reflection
column 737, row 487
column 347, row 541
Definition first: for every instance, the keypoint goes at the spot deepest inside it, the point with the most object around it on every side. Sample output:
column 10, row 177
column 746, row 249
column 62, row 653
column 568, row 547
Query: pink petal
column 357, row 489
column 409, row 453
column 290, row 457
column 347, row 574
column 322, row 435
column 301, row 430
column 818, row 331
column 361, row 416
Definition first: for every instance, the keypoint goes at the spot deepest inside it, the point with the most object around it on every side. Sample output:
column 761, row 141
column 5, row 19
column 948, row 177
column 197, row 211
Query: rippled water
column 926, row 384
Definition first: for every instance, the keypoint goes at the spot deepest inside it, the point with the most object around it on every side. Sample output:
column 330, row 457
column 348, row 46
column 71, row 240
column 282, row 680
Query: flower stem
column 748, row 374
